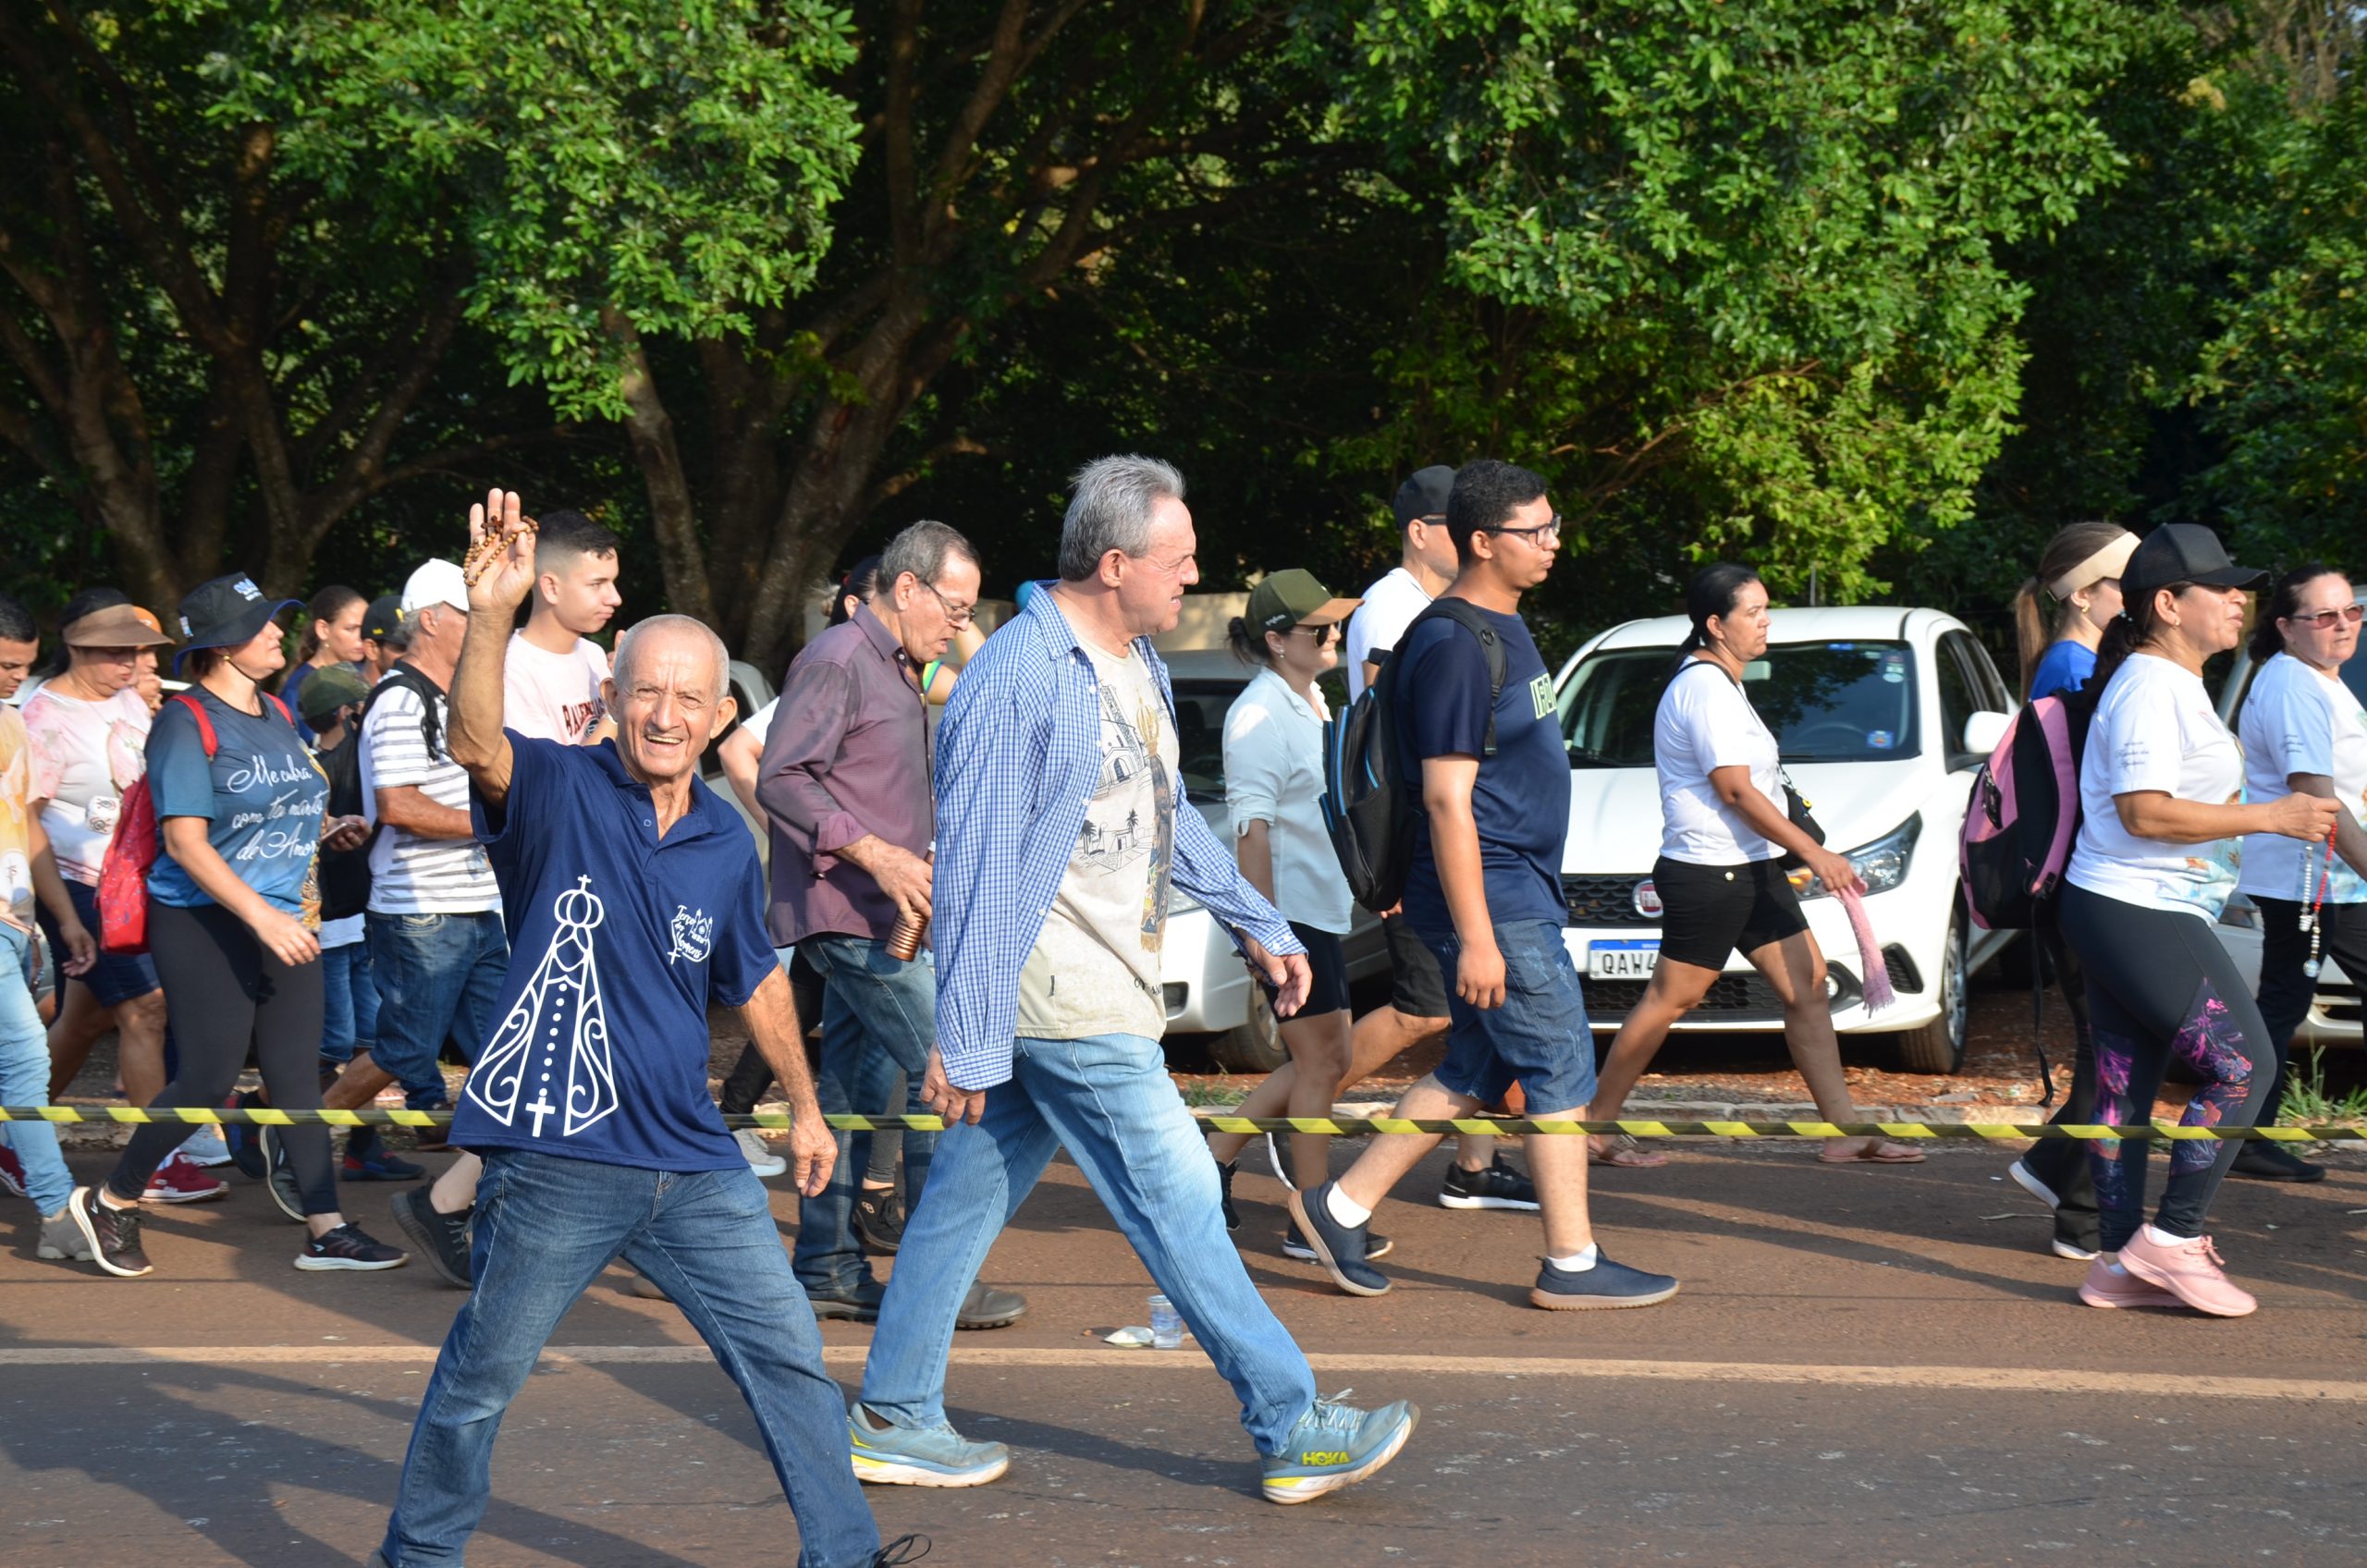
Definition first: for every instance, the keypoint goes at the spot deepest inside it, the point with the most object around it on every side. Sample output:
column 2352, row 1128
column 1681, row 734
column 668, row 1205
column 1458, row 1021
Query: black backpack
column 1370, row 805
column 345, row 875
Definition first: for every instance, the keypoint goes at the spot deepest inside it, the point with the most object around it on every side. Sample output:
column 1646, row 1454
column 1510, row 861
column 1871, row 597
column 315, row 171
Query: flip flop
column 1883, row 1151
column 1625, row 1154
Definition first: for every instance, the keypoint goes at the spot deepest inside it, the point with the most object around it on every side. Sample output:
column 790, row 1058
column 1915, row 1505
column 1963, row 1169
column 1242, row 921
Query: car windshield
column 1201, row 702
column 1826, row 702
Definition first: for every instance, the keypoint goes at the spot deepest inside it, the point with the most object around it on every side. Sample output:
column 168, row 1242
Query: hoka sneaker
column 349, row 1246
column 112, row 1235
column 1499, row 1186
column 758, row 1153
column 1342, row 1249
column 1336, row 1445
column 12, row 1174
column 2107, row 1286
column 176, row 1181
column 890, row 1455
column 2190, row 1271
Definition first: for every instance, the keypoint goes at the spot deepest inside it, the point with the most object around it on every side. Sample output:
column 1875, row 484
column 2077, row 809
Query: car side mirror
column 1984, row 730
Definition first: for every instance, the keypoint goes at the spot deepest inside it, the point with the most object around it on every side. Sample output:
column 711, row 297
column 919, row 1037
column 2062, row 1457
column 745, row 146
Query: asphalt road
column 1864, row 1365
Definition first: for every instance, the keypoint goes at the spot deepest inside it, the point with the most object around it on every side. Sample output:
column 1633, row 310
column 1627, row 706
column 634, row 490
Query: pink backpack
column 2023, row 814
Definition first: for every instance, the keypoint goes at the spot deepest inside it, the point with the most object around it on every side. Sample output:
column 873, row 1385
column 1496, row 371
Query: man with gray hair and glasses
column 1063, row 833
column 845, row 789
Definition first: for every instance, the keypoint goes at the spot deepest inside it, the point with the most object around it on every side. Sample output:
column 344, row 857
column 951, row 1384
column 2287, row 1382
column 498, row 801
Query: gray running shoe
column 1336, row 1445
column 887, row 1454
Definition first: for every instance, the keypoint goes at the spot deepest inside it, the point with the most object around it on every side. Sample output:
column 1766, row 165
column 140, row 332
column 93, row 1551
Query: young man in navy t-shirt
column 1485, row 895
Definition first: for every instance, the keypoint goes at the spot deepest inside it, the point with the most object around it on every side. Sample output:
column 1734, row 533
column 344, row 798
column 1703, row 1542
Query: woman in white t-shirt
column 2303, row 730
column 2160, row 789
column 1273, row 793
column 1725, row 831
column 87, row 729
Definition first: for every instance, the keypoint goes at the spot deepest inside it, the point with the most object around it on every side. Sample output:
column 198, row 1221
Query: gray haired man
column 845, row 790
column 1062, row 832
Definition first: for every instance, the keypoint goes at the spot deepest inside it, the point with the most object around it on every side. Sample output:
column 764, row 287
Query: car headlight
column 2240, row 912
column 1881, row 864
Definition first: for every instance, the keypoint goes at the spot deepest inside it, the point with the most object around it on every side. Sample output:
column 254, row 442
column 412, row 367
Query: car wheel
column 1254, row 1047
column 1938, row 1047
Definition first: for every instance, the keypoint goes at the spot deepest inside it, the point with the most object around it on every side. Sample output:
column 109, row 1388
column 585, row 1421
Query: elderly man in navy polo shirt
column 633, row 900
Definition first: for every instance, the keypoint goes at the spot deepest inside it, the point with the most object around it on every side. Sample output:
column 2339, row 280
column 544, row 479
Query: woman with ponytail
column 332, row 635
column 2078, row 574
column 2161, row 807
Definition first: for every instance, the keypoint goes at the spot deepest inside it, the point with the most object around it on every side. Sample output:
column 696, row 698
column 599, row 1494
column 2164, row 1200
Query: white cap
column 437, row 583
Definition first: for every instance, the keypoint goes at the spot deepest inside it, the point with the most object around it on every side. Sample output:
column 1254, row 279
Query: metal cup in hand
column 904, row 943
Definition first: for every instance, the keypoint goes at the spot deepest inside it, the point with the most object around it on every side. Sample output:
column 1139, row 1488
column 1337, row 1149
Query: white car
column 1207, row 989
column 2334, row 1014
column 1883, row 715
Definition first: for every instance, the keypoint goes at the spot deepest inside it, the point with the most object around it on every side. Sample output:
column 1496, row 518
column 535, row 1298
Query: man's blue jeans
column 545, row 1229
column 438, row 976
column 24, row 1079
column 1108, row 1101
column 879, row 1019
column 349, row 1002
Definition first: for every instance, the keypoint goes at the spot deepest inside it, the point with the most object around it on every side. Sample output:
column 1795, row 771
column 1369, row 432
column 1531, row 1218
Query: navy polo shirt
column 619, row 941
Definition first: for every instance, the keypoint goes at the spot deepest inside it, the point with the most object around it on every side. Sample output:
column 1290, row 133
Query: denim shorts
column 116, row 977
column 1537, row 1039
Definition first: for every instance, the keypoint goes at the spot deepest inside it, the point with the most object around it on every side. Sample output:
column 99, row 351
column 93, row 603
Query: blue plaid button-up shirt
column 1018, row 753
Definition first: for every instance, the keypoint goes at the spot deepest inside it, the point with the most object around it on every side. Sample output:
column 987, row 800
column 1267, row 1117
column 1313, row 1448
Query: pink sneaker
column 2104, row 1287
column 176, row 1181
column 2188, row 1271
column 12, row 1174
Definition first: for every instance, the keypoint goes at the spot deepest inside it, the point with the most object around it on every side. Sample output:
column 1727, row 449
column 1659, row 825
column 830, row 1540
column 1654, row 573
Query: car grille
column 1604, row 900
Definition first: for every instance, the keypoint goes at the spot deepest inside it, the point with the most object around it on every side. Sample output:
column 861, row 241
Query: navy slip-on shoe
column 1606, row 1285
column 1341, row 1249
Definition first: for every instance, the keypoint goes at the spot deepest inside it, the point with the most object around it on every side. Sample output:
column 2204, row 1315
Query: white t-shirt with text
column 1705, row 722
column 2155, row 730
column 2296, row 720
column 553, row 696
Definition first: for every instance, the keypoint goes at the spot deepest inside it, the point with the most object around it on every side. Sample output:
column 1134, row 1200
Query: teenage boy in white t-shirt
column 551, row 680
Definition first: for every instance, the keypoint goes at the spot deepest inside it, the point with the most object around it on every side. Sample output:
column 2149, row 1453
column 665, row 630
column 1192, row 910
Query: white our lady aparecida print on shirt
column 555, row 1038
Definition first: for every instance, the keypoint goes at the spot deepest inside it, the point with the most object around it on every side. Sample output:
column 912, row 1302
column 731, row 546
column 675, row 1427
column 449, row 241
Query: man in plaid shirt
column 1062, row 834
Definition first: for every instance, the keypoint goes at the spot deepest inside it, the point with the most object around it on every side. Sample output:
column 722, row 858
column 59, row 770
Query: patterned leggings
column 2160, row 986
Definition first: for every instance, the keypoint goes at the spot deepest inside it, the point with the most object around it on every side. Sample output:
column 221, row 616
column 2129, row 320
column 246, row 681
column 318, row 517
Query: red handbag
column 123, row 874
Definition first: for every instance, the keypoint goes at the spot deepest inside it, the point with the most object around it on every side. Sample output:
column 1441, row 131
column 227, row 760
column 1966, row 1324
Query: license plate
column 1622, row 961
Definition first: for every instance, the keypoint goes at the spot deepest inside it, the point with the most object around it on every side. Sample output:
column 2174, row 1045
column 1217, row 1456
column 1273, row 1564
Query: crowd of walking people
column 457, row 825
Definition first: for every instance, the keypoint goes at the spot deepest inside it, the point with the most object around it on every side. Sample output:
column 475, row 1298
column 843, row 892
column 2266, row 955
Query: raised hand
column 499, row 569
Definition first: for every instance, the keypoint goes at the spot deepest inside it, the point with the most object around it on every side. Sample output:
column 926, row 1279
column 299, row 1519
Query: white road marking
column 1970, row 1380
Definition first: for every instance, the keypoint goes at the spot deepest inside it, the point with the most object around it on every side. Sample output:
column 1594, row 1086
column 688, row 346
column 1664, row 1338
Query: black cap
column 385, row 613
column 1424, row 495
column 226, row 613
column 2183, row 552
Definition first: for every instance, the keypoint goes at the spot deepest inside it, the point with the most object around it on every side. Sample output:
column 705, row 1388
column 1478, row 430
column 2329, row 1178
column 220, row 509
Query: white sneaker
column 207, row 1146
column 758, row 1153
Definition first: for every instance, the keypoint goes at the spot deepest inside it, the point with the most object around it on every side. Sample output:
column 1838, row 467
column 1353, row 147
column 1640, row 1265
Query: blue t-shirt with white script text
column 261, row 792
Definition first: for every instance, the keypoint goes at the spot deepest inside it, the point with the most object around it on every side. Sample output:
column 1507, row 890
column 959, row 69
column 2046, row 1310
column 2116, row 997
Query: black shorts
column 1329, row 961
column 1710, row 912
column 1417, row 987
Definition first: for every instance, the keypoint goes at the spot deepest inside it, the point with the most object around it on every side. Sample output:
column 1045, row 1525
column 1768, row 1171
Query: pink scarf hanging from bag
column 1879, row 994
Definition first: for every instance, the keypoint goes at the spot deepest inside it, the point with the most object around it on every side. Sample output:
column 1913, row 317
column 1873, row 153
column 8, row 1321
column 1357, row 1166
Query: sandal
column 1880, row 1151
column 1622, row 1151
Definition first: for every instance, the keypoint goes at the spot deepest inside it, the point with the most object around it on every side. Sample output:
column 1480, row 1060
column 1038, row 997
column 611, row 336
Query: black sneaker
column 282, row 1184
column 879, row 1220
column 367, row 1159
column 1294, row 1245
column 349, row 1246
column 1499, row 1186
column 1607, row 1285
column 1225, row 1174
column 442, row 1239
column 857, row 1304
column 114, row 1233
column 2265, row 1161
column 1339, row 1248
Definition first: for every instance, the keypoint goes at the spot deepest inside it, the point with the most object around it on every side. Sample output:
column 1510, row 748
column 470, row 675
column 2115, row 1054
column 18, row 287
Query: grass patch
column 2306, row 1103
column 1197, row 1094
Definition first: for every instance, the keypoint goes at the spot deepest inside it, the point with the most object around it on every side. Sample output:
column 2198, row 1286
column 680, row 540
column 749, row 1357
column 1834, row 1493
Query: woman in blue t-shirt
column 232, row 911
column 2078, row 573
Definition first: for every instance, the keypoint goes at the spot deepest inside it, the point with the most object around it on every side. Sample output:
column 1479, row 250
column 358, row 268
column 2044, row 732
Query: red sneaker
column 12, row 1174
column 176, row 1181
column 2189, row 1270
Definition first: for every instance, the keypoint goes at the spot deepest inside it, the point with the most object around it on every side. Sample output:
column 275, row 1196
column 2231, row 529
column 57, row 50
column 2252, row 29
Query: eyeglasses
column 2349, row 615
column 1323, row 634
column 956, row 616
column 1548, row 533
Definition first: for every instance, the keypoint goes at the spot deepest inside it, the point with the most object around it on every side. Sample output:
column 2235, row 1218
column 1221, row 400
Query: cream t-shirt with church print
column 1095, row 969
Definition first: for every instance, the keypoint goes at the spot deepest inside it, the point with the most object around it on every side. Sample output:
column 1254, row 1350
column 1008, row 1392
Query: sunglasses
column 1323, row 634
column 2324, row 620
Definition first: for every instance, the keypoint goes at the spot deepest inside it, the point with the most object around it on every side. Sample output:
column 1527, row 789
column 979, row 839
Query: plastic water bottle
column 1166, row 1325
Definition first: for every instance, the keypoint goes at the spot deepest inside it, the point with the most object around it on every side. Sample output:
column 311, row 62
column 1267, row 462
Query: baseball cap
column 1286, row 598
column 2183, row 552
column 117, row 626
column 1424, row 495
column 436, row 582
column 385, row 613
column 225, row 613
column 328, row 688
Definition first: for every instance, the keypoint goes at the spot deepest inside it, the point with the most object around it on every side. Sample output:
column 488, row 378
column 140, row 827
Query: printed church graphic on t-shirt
column 1112, row 840
column 555, row 1040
